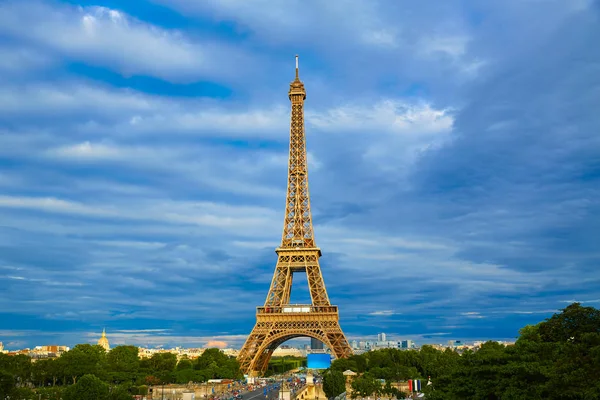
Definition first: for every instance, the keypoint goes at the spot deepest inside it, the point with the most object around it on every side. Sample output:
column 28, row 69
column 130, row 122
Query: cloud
column 391, row 116
column 15, row 60
column 219, row 344
column 533, row 312
column 580, row 301
column 472, row 314
column 178, row 213
column 453, row 46
column 85, row 150
column 133, row 112
column 280, row 23
column 89, row 34
column 382, row 313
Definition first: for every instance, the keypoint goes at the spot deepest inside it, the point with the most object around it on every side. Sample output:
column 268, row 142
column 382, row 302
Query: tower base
column 276, row 325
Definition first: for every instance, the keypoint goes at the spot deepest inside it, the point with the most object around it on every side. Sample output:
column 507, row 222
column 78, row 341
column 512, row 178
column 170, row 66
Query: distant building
column 103, row 341
column 354, row 344
column 381, row 337
column 52, row 349
column 1, row 347
column 49, row 351
column 289, row 351
column 316, row 344
column 407, row 344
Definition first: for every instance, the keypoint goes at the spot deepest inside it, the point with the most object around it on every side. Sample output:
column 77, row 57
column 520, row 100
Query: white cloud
column 121, row 111
column 50, row 204
column 90, row 34
column 214, row 120
column 473, row 315
column 383, row 38
column 529, row 312
column 159, row 339
column 17, row 60
column 74, row 97
column 109, row 112
column 281, row 22
column 453, row 46
column 226, row 169
column 86, row 150
column 394, row 133
column 400, row 117
column 383, row 313
column 42, row 281
column 239, row 219
column 580, row 301
column 131, row 244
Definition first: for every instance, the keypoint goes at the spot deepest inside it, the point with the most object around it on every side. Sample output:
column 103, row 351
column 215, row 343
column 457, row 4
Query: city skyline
column 144, row 147
column 372, row 342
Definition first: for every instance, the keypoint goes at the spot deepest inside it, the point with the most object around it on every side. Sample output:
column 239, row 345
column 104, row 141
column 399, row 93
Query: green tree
column 184, row 363
column 188, row 375
column 84, row 359
column 50, row 393
column 163, row 366
column 123, row 364
column 559, row 358
column 7, row 384
column 88, row 387
column 21, row 367
column 119, row 393
column 344, row 364
column 365, row 385
column 41, row 371
column 334, row 383
column 214, row 364
column 23, row 393
column 569, row 325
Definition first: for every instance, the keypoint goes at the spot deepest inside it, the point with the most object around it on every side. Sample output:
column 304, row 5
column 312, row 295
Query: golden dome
column 103, row 341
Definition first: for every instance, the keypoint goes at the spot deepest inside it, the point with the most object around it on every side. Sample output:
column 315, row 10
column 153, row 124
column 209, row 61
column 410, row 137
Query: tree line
column 114, row 375
column 559, row 358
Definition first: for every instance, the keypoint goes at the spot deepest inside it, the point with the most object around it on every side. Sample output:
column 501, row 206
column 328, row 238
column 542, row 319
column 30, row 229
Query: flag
column 416, row 385
column 410, row 385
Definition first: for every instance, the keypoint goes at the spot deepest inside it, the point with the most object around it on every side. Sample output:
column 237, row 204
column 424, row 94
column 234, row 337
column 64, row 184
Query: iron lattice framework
column 278, row 321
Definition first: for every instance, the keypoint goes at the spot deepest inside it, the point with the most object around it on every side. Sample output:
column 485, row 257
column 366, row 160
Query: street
column 259, row 394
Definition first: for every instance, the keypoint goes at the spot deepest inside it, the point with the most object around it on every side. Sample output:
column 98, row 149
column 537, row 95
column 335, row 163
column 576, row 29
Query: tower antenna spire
column 296, row 66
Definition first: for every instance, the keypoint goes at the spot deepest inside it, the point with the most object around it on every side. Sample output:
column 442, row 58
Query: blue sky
column 454, row 162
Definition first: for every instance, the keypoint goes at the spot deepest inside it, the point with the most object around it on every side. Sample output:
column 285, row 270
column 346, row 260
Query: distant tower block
column 279, row 321
column 316, row 344
column 103, row 341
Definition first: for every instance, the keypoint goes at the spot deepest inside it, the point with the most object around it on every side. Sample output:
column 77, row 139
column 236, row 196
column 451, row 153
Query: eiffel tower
column 279, row 321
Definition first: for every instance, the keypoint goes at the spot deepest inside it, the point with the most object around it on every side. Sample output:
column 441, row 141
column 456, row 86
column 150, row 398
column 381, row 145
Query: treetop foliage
column 88, row 368
column 559, row 358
